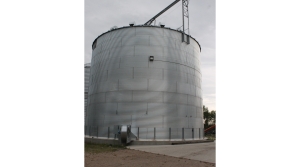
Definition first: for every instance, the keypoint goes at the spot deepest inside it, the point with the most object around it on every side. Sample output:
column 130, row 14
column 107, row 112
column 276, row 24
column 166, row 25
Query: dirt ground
column 134, row 158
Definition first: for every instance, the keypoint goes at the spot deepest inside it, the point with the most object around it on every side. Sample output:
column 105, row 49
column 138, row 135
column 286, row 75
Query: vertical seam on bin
column 117, row 108
column 130, row 120
column 176, row 109
column 186, row 77
column 106, row 75
column 163, row 121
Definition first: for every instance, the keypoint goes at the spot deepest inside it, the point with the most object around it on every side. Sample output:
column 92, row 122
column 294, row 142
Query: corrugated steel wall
column 126, row 88
column 87, row 68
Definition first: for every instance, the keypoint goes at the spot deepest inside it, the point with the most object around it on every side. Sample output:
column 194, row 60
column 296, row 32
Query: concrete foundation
column 142, row 142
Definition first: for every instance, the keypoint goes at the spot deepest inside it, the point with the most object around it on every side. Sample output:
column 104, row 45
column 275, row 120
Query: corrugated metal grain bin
column 161, row 97
column 87, row 68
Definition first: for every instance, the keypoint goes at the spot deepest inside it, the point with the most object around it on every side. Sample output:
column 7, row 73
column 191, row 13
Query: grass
column 211, row 136
column 99, row 148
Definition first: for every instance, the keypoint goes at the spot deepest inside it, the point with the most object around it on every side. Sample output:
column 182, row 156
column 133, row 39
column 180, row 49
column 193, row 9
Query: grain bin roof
column 143, row 26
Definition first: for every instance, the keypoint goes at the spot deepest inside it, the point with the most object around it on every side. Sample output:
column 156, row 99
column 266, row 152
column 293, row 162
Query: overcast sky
column 101, row 15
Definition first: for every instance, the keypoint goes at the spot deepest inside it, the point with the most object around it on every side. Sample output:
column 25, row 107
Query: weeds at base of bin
column 99, row 148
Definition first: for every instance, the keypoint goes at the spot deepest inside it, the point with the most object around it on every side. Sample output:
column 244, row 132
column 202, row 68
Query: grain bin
column 146, row 77
column 87, row 68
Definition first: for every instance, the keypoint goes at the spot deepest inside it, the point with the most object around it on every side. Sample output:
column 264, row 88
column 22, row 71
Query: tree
column 206, row 116
column 209, row 117
column 213, row 116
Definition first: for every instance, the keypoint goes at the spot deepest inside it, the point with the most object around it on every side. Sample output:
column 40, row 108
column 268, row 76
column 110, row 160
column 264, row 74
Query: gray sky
column 101, row 15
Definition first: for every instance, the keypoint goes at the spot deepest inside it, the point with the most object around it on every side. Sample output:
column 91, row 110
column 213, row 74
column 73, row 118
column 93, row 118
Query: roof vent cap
column 132, row 24
column 161, row 24
column 114, row 27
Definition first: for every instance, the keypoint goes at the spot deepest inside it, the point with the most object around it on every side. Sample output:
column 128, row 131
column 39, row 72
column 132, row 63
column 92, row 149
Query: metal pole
column 183, row 17
column 188, row 17
column 115, row 136
column 169, row 133
column 154, row 133
column 119, row 130
column 182, row 35
column 182, row 133
column 138, row 132
column 193, row 133
column 97, row 131
column 108, row 133
column 188, row 25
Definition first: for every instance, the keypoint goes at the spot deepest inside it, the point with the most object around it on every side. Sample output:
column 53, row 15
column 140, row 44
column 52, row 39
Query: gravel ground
column 134, row 158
